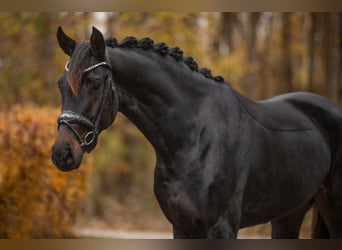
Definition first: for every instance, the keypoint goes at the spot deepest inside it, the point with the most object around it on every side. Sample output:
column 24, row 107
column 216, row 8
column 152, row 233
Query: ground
column 156, row 227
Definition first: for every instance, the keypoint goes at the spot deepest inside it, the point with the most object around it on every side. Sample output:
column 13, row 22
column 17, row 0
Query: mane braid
column 111, row 42
column 176, row 53
column 163, row 49
column 145, row 43
column 129, row 42
column 219, row 79
column 206, row 72
column 192, row 64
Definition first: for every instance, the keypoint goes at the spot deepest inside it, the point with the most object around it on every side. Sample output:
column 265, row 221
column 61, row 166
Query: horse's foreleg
column 222, row 230
column 288, row 226
column 178, row 233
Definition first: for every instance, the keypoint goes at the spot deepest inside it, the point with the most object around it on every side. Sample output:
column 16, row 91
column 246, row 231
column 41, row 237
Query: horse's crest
column 163, row 49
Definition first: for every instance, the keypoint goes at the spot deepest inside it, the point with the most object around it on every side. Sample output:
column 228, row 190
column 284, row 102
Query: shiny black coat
column 223, row 162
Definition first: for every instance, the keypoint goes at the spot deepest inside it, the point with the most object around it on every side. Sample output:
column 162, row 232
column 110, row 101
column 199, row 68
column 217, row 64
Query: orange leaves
column 36, row 200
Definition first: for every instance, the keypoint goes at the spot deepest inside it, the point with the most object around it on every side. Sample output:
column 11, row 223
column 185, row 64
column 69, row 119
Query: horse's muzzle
column 63, row 158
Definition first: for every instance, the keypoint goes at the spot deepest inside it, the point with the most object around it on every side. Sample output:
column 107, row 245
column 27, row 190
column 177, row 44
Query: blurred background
column 260, row 54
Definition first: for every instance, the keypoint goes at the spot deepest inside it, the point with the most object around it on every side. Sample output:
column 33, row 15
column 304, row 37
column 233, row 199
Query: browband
column 89, row 68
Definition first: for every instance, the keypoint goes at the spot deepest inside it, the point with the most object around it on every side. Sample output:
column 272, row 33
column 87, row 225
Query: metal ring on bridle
column 89, row 138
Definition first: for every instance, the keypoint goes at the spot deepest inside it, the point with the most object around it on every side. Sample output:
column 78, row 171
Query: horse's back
column 297, row 111
column 319, row 110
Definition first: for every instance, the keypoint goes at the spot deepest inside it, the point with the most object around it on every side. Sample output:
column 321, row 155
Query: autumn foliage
column 261, row 54
column 36, row 200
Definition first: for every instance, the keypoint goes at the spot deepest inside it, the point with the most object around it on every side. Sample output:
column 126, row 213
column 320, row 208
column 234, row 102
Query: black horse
column 223, row 161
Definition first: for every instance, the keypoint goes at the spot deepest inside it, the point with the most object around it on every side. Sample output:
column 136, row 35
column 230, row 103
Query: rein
column 68, row 117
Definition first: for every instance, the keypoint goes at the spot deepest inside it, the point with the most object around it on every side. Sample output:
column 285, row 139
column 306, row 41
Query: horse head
column 89, row 99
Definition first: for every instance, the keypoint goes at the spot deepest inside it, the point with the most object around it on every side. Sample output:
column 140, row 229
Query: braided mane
column 163, row 49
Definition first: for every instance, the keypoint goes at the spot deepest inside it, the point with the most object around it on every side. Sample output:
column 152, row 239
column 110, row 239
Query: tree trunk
column 227, row 25
column 286, row 53
column 264, row 68
column 332, row 54
column 45, row 52
column 252, row 78
column 311, row 51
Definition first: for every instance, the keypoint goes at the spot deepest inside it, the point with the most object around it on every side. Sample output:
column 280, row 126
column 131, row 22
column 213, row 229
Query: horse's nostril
column 66, row 156
column 69, row 159
column 62, row 156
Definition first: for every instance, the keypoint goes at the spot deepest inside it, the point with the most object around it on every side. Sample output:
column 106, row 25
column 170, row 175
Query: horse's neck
column 162, row 97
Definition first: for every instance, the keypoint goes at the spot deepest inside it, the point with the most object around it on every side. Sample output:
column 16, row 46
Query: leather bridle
column 68, row 117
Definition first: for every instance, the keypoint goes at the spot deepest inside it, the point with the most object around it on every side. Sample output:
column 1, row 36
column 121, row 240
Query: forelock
column 78, row 63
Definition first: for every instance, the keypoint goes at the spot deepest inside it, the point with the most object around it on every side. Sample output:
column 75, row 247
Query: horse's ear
column 66, row 43
column 97, row 44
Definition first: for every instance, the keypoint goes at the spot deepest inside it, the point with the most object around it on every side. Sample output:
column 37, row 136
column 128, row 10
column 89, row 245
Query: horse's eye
column 94, row 85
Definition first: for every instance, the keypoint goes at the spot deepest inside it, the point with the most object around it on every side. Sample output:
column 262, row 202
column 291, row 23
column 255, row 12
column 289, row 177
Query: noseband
column 68, row 117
